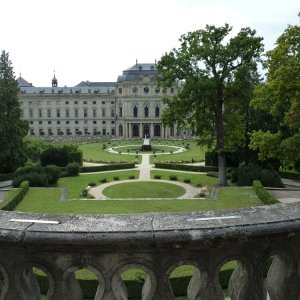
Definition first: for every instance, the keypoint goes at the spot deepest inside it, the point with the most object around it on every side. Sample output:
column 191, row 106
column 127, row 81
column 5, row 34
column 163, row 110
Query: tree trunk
column 220, row 142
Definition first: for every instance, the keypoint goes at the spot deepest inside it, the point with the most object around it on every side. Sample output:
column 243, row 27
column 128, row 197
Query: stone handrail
column 156, row 243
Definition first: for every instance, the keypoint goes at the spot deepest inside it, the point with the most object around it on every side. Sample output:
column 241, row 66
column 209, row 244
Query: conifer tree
column 12, row 128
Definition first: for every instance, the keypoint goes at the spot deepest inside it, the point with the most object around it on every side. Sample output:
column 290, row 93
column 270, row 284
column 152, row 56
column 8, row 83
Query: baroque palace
column 128, row 108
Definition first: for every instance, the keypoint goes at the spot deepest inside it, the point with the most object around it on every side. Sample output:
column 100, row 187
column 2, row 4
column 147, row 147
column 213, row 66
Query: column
column 141, row 130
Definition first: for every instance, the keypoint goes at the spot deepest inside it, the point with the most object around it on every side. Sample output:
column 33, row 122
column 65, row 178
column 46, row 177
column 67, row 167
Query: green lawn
column 144, row 190
column 196, row 179
column 96, row 152
column 47, row 200
column 76, row 184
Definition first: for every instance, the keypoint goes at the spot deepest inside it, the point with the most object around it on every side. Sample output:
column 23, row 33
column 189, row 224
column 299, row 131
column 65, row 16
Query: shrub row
column 289, row 175
column 244, row 176
column 262, row 194
column 107, row 167
column 13, row 199
column 186, row 167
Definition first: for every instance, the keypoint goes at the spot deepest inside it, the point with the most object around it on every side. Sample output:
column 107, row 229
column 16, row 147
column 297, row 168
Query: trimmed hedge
column 262, row 194
column 107, row 167
column 76, row 157
column 186, row 167
column 12, row 200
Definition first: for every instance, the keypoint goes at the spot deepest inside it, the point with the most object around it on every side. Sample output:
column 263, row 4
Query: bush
column 116, row 178
column 58, row 156
column 84, row 193
column 54, row 172
column 92, row 183
column 103, row 180
column 131, row 177
column 173, row 177
column 262, row 194
column 157, row 176
column 187, row 180
column 34, row 178
column 244, row 176
column 185, row 167
column 12, row 200
column 107, row 167
column 76, row 157
column 72, row 169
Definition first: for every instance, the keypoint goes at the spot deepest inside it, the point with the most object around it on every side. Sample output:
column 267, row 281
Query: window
column 94, row 102
column 135, row 112
column 120, row 111
column 49, row 122
column 57, row 102
column 67, row 122
column 84, row 102
column 120, row 90
column 68, row 132
column 85, row 112
column 58, row 122
column 112, row 102
column 103, row 102
column 156, row 112
column 85, row 122
column 172, row 90
column 94, row 122
column 113, row 131
column 67, row 102
column 40, row 113
column 49, row 113
column 30, row 113
column 146, row 90
column 103, row 122
column 22, row 113
column 112, row 122
column 31, row 131
column 75, row 102
column 146, row 110
column 135, row 90
column 112, row 112
column 103, row 112
column 76, row 112
column 30, row 102
column 49, row 131
column 94, row 112
column 67, row 113
column 31, row 122
column 58, row 113
column 103, row 131
column 76, row 122
column 40, row 122
column 157, row 90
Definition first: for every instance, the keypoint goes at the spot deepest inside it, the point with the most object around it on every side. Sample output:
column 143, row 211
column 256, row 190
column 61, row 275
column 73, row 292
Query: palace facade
column 129, row 108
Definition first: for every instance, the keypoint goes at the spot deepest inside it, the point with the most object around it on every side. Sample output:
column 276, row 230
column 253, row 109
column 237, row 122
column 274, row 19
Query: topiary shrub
column 35, row 179
column 187, row 180
column 54, row 172
column 92, row 183
column 270, row 178
column 262, row 194
column 116, row 178
column 157, row 176
column 72, row 169
column 103, row 180
column 173, row 177
column 131, row 177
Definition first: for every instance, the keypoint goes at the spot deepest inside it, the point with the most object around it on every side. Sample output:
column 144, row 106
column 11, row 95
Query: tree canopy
column 207, row 69
column 280, row 97
column 12, row 128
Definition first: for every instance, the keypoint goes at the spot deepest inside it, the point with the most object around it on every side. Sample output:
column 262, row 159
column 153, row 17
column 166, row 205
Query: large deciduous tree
column 280, row 96
column 204, row 68
column 12, row 128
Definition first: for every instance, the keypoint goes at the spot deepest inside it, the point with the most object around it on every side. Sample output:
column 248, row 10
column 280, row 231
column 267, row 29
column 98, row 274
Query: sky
column 96, row 40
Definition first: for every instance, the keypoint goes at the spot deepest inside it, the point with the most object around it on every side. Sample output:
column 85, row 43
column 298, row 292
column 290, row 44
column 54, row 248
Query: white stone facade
column 129, row 108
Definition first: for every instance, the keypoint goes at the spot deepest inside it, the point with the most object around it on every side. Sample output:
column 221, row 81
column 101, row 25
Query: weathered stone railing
column 156, row 243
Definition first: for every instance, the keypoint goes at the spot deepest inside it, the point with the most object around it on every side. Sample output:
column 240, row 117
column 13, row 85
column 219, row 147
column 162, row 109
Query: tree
column 280, row 97
column 202, row 68
column 12, row 128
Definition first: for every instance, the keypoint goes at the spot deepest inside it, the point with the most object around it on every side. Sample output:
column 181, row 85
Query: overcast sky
column 97, row 39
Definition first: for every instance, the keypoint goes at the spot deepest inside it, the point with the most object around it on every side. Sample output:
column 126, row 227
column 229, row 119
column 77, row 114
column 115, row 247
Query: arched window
column 135, row 90
column 146, row 112
column 120, row 130
column 135, row 112
column 156, row 112
column 146, row 90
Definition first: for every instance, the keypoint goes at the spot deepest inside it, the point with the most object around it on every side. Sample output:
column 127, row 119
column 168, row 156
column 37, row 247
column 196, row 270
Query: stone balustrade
column 156, row 243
